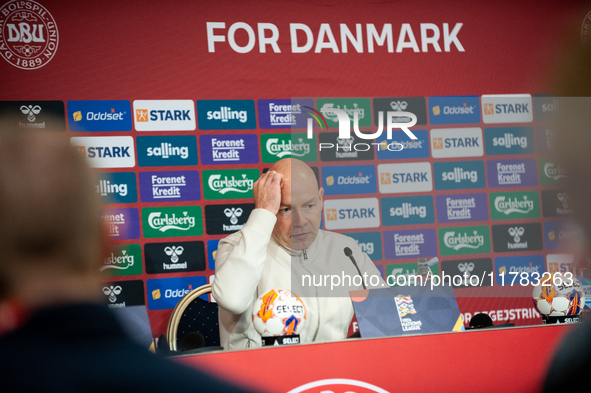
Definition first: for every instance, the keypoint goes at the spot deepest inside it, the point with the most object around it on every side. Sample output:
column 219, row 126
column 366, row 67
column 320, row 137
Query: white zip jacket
column 249, row 263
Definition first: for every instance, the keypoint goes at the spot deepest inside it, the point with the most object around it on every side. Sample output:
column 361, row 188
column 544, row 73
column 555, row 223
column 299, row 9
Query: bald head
column 296, row 172
column 298, row 220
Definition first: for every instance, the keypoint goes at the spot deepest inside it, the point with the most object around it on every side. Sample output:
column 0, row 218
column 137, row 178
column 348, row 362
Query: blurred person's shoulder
column 572, row 359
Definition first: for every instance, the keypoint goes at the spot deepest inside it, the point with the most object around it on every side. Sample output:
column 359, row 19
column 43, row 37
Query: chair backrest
column 192, row 314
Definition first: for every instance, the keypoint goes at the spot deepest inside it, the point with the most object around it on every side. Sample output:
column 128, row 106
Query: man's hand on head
column 267, row 191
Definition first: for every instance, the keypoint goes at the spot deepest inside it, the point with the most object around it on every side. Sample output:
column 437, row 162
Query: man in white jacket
column 282, row 247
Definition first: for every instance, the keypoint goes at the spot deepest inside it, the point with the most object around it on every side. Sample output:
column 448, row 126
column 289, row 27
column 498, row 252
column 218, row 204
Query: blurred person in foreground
column 56, row 335
column 280, row 244
column 572, row 124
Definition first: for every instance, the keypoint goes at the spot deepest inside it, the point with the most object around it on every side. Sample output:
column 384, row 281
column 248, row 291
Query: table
column 509, row 359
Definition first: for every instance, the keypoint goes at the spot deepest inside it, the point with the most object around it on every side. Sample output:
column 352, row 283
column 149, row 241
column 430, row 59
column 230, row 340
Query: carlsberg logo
column 291, row 149
column 121, row 261
column 170, row 222
column 513, row 205
column 216, row 183
column 554, row 171
column 464, row 240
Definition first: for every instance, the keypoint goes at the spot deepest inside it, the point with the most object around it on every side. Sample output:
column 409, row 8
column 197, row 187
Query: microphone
column 349, row 253
column 192, row 340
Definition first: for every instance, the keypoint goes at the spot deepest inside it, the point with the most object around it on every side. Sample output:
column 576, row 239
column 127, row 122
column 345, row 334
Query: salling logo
column 167, row 222
column 166, row 150
column 513, row 205
column 509, row 140
column 282, row 149
column 173, row 252
column 407, row 210
column 460, row 174
column 408, row 245
column 29, row 36
column 164, row 115
column 122, row 261
column 226, row 114
column 463, row 240
column 516, row 232
column 366, row 247
column 217, row 184
column 105, row 188
column 554, row 171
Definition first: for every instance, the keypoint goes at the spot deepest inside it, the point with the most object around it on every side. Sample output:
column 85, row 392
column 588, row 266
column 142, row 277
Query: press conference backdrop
column 181, row 106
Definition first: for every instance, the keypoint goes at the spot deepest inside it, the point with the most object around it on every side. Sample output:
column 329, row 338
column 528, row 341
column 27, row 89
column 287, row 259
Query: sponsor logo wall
column 476, row 187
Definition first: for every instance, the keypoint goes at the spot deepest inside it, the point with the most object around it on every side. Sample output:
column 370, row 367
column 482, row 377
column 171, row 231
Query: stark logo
column 331, row 214
column 141, row 115
column 489, row 109
column 28, row 34
column 385, row 178
column 437, row 143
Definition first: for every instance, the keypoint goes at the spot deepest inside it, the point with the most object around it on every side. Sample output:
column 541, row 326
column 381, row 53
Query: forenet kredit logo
column 28, row 34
